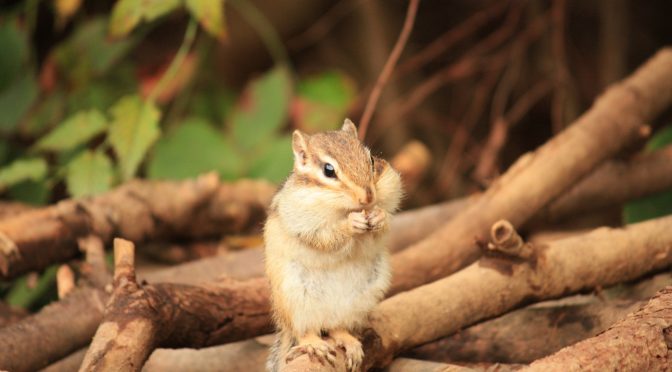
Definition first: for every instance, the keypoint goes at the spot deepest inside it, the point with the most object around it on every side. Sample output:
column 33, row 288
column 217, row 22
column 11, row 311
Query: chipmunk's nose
column 369, row 196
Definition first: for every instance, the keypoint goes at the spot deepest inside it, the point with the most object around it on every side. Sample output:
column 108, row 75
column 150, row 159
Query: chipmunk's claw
column 376, row 219
column 353, row 354
column 358, row 222
column 320, row 352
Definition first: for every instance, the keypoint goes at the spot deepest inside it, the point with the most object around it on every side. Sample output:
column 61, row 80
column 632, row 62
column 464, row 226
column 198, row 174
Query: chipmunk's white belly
column 339, row 296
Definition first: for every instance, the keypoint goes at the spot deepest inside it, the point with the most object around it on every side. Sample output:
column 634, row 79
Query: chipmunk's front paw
column 353, row 356
column 352, row 348
column 377, row 219
column 318, row 351
column 358, row 222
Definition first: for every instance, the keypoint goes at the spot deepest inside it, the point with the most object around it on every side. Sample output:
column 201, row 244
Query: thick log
column 514, row 337
column 138, row 210
column 601, row 258
column 616, row 119
column 640, row 342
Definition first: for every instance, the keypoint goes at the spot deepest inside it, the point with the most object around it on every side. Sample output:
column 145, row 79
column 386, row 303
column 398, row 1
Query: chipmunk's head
column 337, row 166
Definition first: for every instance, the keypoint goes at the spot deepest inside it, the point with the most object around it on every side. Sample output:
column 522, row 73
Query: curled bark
column 537, row 178
column 138, row 210
column 505, row 239
column 601, row 258
column 640, row 342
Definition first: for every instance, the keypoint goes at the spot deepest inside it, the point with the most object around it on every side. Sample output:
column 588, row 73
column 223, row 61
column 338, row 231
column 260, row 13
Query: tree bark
column 601, row 258
column 616, row 118
column 640, row 342
column 514, row 337
column 58, row 330
column 614, row 183
column 135, row 316
column 138, row 210
column 46, row 328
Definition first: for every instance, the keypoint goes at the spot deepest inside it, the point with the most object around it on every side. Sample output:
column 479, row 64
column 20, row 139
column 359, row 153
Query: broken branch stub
column 133, row 325
column 505, row 239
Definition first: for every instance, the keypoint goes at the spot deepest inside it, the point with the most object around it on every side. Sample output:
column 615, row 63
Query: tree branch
column 640, row 342
column 601, row 258
column 537, row 178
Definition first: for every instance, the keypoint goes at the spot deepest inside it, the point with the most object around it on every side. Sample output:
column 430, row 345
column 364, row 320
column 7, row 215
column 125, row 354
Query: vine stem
column 389, row 67
column 176, row 63
column 264, row 29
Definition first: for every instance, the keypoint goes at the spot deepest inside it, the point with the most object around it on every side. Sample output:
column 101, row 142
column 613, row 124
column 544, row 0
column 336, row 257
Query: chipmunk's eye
column 329, row 170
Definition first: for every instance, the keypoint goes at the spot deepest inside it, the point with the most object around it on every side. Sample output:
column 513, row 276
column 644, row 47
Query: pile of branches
column 457, row 266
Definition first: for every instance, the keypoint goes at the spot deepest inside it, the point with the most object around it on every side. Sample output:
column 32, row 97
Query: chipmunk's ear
column 349, row 126
column 300, row 149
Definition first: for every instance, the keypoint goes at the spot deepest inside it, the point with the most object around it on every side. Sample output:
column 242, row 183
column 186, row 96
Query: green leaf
column 322, row 101
column 661, row 139
column 213, row 103
column 15, row 101
column 90, row 173
column 657, row 205
column 134, row 128
column 154, row 9
column 4, row 151
column 74, row 131
column 14, row 46
column 210, row 14
column 88, row 53
column 331, row 88
column 193, row 148
column 48, row 112
column 20, row 170
column 262, row 109
column 649, row 207
column 126, row 14
column 275, row 162
column 24, row 296
column 30, row 192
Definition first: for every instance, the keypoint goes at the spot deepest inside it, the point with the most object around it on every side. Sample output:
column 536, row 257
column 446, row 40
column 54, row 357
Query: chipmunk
column 325, row 250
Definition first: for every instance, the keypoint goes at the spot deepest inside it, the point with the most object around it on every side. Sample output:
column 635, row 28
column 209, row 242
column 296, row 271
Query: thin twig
column 470, row 63
column 268, row 34
column 176, row 63
column 526, row 101
column 319, row 29
column 451, row 37
column 389, row 67
column 453, row 160
column 560, row 97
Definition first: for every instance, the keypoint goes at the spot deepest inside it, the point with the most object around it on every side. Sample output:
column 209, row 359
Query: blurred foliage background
column 101, row 102
column 94, row 93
